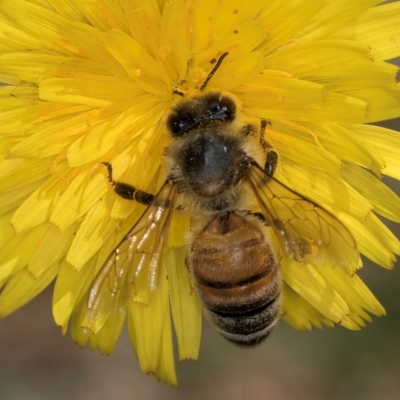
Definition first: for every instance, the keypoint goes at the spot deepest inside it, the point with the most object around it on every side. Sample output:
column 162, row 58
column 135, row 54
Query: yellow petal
column 201, row 14
column 301, row 314
column 334, row 15
column 383, row 103
column 137, row 63
column 313, row 61
column 89, row 272
column 92, row 233
column 386, row 142
column 283, row 20
column 35, row 68
column 173, row 40
column 185, row 305
column 295, row 142
column 309, row 284
column 384, row 200
column 352, row 290
column 231, row 14
column 239, row 43
column 106, row 339
column 19, row 172
column 348, row 146
column 40, row 22
column 82, row 194
column 150, row 332
column 377, row 27
column 42, row 201
column 368, row 241
column 330, row 107
column 67, row 9
column 325, row 189
column 69, row 288
column 89, row 41
column 104, row 15
column 237, row 71
column 19, row 249
column 143, row 17
column 90, row 89
column 6, row 231
column 79, row 334
column 269, row 91
column 9, row 199
column 23, row 287
column 20, row 39
column 53, row 248
column 104, row 134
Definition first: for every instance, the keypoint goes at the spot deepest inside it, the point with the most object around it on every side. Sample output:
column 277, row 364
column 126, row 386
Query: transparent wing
column 306, row 232
column 133, row 267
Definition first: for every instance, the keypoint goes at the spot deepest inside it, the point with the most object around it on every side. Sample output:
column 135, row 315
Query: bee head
column 210, row 109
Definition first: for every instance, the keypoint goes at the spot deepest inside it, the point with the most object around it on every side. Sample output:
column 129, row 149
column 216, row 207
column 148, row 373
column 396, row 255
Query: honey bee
column 213, row 169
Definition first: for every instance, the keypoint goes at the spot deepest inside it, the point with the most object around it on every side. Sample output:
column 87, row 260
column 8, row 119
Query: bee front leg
column 127, row 191
column 271, row 162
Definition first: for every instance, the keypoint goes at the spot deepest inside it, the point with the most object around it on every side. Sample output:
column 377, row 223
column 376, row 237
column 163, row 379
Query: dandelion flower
column 92, row 82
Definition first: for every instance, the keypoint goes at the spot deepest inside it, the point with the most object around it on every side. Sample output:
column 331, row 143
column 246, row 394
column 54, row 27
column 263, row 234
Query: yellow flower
column 92, row 82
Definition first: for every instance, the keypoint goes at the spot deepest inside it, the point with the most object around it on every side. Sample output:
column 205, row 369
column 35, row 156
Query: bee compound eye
column 214, row 107
column 179, row 123
column 222, row 109
column 228, row 107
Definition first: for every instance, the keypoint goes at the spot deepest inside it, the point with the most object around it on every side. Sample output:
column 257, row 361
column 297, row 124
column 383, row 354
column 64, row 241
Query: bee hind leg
column 259, row 216
column 127, row 191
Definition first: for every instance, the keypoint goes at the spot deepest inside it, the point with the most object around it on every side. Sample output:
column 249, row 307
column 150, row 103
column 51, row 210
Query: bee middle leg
column 271, row 162
column 127, row 191
column 266, row 146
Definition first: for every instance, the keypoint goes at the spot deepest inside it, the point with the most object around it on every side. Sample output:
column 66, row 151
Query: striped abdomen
column 237, row 278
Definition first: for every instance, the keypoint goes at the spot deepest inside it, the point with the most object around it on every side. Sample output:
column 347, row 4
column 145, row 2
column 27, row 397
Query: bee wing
column 306, row 232
column 132, row 268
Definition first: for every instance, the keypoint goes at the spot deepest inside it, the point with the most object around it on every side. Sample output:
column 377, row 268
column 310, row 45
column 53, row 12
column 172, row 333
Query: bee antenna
column 214, row 70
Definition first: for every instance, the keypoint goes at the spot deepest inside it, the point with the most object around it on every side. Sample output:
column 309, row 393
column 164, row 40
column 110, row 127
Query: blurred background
column 38, row 363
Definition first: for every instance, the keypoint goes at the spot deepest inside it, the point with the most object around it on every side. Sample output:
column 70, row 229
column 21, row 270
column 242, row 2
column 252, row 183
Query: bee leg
column 271, row 162
column 257, row 215
column 264, row 142
column 224, row 218
column 249, row 130
column 178, row 92
column 187, row 263
column 127, row 191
